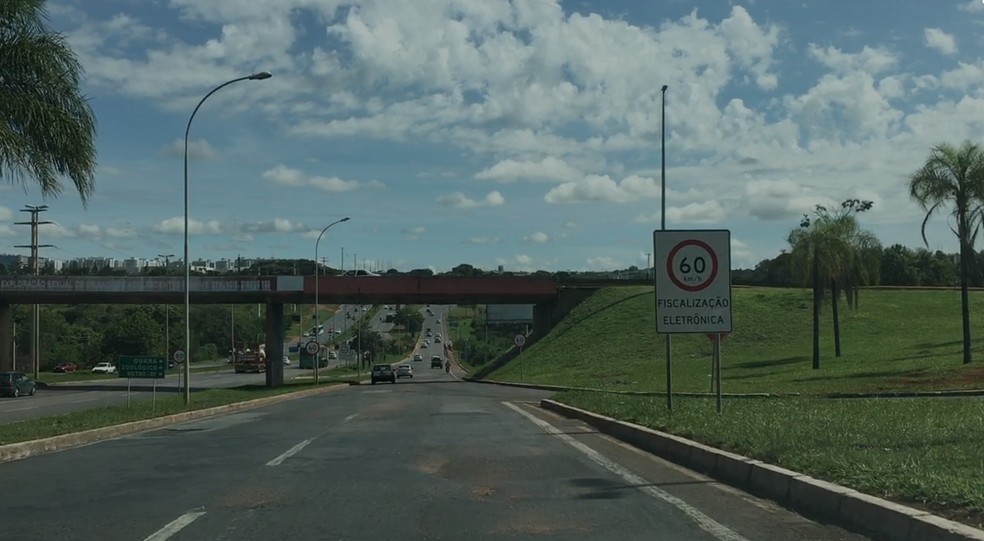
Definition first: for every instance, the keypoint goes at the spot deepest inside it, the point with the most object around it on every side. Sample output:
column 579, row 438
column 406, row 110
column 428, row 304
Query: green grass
column 920, row 451
column 895, row 340
column 52, row 378
column 46, row 427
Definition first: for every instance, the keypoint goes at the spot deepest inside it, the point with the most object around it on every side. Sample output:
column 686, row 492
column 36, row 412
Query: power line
column 34, row 263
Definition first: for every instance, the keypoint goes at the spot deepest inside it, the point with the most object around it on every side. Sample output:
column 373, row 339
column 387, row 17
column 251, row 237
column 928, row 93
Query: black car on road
column 383, row 372
column 16, row 383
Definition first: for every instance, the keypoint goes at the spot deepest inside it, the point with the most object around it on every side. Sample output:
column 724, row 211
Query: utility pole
column 167, row 310
column 36, row 268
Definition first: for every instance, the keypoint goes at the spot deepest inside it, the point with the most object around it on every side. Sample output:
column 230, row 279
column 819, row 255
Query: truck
column 251, row 360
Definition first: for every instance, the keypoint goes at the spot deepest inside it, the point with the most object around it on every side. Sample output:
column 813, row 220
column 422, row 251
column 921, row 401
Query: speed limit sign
column 693, row 281
column 311, row 347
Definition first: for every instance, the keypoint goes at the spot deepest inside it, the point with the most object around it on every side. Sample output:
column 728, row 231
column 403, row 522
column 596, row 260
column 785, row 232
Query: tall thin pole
column 34, row 210
column 187, row 263
column 317, row 300
column 662, row 217
column 167, row 311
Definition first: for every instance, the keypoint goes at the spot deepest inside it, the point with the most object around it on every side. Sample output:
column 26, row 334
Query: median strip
column 812, row 497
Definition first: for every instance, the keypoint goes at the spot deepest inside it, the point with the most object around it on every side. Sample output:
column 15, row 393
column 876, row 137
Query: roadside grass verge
column 72, row 377
column 923, row 452
column 895, row 340
column 46, row 427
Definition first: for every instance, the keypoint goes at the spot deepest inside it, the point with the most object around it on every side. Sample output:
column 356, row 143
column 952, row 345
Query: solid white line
column 175, row 526
column 350, row 417
column 705, row 522
column 85, row 400
column 20, row 409
column 290, row 452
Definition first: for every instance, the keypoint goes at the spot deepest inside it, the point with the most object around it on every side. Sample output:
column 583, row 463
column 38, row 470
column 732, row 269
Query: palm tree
column 830, row 250
column 46, row 124
column 954, row 177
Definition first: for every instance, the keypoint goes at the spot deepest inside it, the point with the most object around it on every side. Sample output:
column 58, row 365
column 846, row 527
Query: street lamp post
column 317, row 299
column 662, row 217
column 259, row 76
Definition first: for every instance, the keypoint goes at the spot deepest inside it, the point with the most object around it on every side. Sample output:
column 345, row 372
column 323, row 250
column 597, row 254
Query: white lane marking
column 175, row 526
column 21, row 409
column 85, row 400
column 290, row 452
column 705, row 522
column 350, row 417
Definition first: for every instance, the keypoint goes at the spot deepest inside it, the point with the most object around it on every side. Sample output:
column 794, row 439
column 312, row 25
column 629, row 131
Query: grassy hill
column 895, row 340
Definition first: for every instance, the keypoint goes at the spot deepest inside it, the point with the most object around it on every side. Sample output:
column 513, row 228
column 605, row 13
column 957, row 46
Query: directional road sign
column 141, row 366
column 693, row 281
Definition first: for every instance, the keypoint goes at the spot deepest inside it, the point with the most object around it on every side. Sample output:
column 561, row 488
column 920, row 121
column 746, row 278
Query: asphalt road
column 429, row 458
column 67, row 397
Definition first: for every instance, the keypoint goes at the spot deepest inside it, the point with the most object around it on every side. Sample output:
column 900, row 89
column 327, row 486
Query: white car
column 286, row 360
column 103, row 368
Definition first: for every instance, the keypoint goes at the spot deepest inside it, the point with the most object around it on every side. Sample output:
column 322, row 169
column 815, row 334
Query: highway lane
column 67, row 397
column 430, row 458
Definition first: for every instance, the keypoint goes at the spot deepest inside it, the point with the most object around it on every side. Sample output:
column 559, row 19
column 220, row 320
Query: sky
column 522, row 133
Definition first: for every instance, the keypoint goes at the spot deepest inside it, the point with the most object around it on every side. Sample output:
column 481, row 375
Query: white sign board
column 693, row 281
column 311, row 347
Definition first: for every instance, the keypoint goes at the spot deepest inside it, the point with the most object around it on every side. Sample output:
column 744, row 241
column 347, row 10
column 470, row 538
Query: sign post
column 312, row 348
column 693, row 288
column 142, row 367
column 179, row 357
column 520, row 340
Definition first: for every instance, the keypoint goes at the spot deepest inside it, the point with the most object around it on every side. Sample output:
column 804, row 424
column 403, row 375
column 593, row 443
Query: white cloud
column 780, row 200
column 6, row 231
column 484, row 240
column 538, row 237
column 6, row 214
column 548, row 169
column 603, row 263
column 871, row 60
column 940, row 41
column 706, row 212
column 570, row 225
column 281, row 174
column 972, row 6
column 277, row 225
column 592, row 188
column 199, row 149
column 460, row 200
column 57, row 230
column 175, row 226
column 741, row 255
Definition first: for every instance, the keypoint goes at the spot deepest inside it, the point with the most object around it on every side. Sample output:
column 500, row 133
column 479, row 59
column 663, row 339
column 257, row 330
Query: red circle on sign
column 679, row 283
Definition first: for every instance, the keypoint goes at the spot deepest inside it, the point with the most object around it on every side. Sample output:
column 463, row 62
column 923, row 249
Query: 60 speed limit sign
column 693, row 281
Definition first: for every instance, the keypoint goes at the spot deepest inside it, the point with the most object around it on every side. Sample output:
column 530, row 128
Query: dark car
column 16, row 383
column 383, row 372
column 436, row 362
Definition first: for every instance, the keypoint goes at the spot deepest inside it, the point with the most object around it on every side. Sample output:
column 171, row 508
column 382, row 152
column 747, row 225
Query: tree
column 953, row 177
column 830, row 250
column 47, row 127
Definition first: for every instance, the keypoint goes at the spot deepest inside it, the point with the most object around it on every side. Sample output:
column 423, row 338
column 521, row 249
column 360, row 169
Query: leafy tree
column 830, row 250
column 132, row 332
column 46, row 125
column 953, row 179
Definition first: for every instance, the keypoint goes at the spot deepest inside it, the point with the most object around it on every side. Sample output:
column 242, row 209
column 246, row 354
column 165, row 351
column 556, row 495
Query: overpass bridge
column 550, row 300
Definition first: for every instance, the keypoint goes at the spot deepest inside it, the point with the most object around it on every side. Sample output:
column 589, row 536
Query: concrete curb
column 812, row 497
column 887, row 394
column 26, row 449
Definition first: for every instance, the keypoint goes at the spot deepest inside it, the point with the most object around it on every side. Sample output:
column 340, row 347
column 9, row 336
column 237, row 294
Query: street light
column 187, row 263
column 317, row 305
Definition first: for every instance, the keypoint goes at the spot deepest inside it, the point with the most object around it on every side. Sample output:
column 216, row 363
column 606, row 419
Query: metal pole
column 232, row 334
column 717, row 368
column 187, row 263
column 167, row 314
column 662, row 202
column 317, row 306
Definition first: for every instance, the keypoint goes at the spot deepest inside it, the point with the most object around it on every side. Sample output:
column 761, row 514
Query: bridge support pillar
column 6, row 337
column 543, row 318
column 274, row 344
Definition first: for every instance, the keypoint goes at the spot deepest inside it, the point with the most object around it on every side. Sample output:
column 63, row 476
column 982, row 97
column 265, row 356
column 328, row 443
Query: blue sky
column 490, row 132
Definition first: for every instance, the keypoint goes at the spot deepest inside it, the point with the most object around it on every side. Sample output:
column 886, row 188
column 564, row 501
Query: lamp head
column 260, row 76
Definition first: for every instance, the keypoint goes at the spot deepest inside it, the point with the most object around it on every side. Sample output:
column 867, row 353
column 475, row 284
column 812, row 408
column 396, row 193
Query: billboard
column 509, row 313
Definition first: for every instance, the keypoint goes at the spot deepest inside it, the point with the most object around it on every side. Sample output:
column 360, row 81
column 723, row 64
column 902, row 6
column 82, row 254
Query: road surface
column 66, row 397
column 431, row 458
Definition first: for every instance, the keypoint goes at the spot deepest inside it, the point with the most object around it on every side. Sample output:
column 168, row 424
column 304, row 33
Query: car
column 16, row 383
column 332, row 354
column 418, row 357
column 359, row 272
column 383, row 372
column 65, row 367
column 438, row 322
column 404, row 371
column 437, row 362
column 437, row 339
column 286, row 360
column 103, row 368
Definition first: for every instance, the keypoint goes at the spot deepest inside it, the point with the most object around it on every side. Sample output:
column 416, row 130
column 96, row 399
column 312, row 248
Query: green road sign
column 142, row 366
